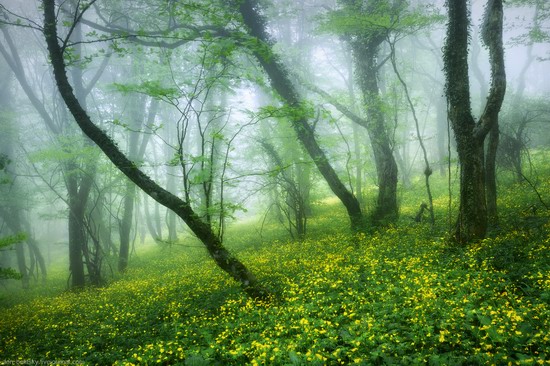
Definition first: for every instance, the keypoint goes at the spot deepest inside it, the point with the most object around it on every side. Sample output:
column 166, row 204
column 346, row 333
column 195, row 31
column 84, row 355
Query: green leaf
column 483, row 319
column 13, row 239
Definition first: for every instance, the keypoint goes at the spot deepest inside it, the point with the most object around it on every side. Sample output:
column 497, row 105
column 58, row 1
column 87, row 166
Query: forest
column 274, row 182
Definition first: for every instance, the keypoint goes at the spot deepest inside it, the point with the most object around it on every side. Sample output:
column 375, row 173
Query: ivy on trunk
column 469, row 134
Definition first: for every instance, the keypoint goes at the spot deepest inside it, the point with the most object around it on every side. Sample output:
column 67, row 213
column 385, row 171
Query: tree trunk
column 151, row 226
column 365, row 55
column 81, row 183
column 171, row 221
column 34, row 248
column 125, row 225
column 136, row 116
column 472, row 219
column 223, row 258
column 22, row 265
column 76, row 240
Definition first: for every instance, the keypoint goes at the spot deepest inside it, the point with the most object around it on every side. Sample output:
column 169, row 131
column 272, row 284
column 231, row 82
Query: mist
column 208, row 136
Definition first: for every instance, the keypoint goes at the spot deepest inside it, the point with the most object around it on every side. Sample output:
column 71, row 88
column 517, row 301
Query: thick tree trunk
column 223, row 258
column 22, row 264
column 472, row 219
column 281, row 82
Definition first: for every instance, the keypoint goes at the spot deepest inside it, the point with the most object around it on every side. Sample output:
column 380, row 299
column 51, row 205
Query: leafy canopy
column 354, row 18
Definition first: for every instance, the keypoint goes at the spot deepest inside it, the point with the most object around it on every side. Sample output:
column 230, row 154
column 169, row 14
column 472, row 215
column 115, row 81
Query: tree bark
column 217, row 251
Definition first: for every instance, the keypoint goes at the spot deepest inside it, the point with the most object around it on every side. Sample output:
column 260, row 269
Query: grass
column 400, row 295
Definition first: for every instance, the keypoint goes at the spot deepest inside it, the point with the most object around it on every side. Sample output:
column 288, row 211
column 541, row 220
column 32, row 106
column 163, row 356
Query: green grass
column 401, row 295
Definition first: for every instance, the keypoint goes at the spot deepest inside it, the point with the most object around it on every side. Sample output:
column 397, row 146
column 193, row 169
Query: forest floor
column 399, row 295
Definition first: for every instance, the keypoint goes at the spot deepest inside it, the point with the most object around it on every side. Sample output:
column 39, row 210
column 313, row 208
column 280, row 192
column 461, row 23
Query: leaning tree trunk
column 282, row 84
column 469, row 135
column 223, row 258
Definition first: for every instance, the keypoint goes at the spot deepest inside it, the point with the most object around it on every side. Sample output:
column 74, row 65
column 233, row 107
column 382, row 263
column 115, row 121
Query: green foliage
column 9, row 240
column 303, row 111
column 152, row 88
column 9, row 273
column 534, row 27
column 399, row 296
column 379, row 16
column 4, row 161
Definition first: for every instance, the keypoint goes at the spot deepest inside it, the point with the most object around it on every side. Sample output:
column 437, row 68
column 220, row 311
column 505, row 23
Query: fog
column 181, row 92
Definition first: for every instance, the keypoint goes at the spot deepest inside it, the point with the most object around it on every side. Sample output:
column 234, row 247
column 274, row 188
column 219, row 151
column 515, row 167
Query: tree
column 78, row 178
column 365, row 42
column 290, row 200
column 469, row 134
column 261, row 46
column 223, row 258
column 14, row 192
column 137, row 144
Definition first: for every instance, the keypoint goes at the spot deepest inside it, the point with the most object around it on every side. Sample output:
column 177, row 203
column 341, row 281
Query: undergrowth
column 400, row 295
